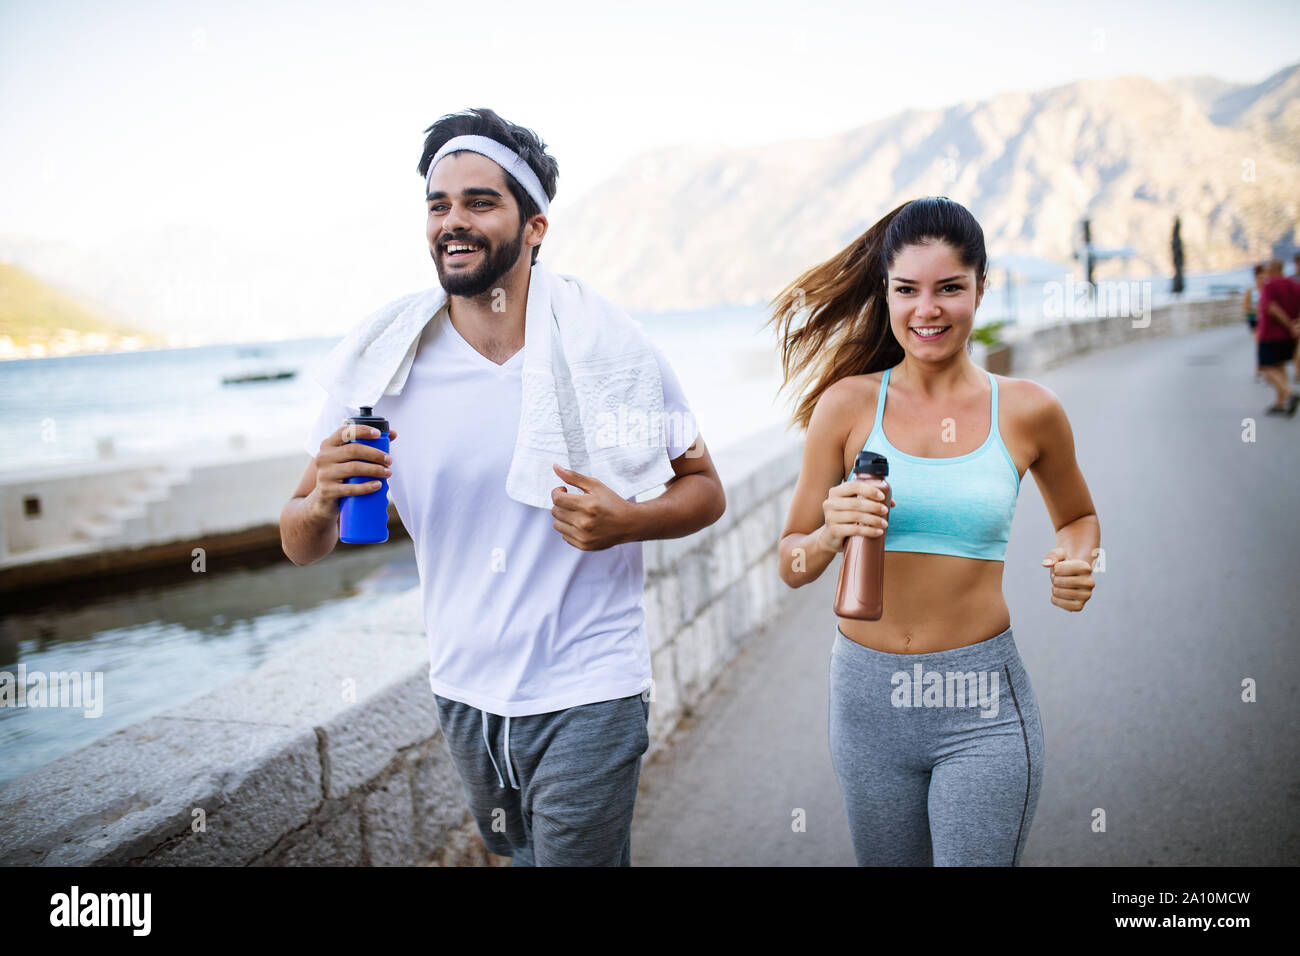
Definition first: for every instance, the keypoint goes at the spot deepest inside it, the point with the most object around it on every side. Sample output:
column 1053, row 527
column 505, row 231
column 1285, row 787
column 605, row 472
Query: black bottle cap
column 870, row 463
column 368, row 417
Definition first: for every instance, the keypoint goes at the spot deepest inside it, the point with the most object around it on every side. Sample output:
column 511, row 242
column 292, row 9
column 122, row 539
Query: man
column 1278, row 327
column 1295, row 277
column 539, row 661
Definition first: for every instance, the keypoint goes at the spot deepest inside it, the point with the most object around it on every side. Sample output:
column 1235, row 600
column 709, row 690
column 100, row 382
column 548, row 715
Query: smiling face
column 475, row 236
column 929, row 288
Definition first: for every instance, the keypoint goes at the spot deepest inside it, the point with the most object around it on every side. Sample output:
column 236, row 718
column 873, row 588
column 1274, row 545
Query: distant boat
column 270, row 375
column 256, row 364
column 1119, row 252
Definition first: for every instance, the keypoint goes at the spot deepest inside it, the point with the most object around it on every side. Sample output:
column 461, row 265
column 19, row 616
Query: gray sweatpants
column 939, row 756
column 554, row 789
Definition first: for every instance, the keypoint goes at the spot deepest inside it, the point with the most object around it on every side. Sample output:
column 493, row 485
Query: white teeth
column 461, row 248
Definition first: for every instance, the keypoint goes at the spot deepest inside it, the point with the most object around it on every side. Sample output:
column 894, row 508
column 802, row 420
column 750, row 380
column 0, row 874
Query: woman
column 927, row 778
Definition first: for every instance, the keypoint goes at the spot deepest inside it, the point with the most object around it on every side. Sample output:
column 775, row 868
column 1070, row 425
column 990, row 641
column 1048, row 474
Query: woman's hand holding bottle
column 853, row 507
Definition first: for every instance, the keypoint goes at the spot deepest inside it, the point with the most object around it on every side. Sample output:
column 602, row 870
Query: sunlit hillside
column 37, row 319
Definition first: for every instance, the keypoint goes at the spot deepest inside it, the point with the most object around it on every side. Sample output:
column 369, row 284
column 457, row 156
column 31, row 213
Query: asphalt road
column 1140, row 693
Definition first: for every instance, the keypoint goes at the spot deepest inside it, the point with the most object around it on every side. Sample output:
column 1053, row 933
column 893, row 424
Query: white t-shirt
column 519, row 621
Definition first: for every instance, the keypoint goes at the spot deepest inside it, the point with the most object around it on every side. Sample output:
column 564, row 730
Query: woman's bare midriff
column 934, row 602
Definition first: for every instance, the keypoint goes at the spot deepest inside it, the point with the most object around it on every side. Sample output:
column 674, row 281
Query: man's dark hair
column 485, row 122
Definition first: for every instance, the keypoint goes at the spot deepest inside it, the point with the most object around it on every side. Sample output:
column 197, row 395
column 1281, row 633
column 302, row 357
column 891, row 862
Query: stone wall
column 331, row 754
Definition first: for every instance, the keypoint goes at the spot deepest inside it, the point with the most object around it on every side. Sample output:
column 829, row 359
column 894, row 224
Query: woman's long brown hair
column 847, row 331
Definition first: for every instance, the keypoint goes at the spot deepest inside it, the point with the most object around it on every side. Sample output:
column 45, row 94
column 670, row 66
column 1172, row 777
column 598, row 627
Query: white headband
column 503, row 156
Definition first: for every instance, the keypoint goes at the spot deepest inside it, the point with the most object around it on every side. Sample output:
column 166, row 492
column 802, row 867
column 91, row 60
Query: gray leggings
column 939, row 756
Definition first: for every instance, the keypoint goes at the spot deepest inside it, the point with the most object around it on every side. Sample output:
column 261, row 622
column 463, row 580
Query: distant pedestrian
column 1248, row 307
column 1295, row 277
column 1278, row 329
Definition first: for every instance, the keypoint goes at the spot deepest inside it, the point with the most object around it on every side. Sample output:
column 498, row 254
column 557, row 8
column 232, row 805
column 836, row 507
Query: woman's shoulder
column 1020, row 391
column 1028, row 401
column 842, row 404
column 861, row 379
column 850, row 389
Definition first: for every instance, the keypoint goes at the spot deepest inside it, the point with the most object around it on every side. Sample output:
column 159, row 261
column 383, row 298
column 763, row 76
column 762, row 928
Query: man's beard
column 469, row 283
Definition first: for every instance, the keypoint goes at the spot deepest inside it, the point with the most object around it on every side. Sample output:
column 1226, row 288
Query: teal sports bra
column 961, row 506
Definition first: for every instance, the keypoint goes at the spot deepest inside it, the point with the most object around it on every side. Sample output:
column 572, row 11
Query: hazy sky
column 227, row 111
column 305, row 120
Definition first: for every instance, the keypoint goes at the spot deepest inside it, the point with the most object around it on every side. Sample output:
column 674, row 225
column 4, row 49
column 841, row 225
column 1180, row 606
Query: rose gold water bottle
column 862, row 575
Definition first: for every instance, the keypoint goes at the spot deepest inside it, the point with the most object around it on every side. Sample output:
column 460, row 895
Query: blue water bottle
column 363, row 519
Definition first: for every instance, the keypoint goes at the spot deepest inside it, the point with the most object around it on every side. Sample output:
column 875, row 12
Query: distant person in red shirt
column 1277, row 328
column 1295, row 277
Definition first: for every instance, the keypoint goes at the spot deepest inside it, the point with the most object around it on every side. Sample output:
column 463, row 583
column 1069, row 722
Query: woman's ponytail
column 847, row 329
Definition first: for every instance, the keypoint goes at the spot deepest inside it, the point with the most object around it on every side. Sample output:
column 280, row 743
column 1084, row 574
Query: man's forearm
column 1279, row 313
column 688, row 504
column 1080, row 538
column 305, row 534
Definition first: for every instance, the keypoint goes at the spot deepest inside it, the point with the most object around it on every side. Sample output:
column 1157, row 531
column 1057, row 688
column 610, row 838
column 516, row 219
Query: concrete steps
column 129, row 521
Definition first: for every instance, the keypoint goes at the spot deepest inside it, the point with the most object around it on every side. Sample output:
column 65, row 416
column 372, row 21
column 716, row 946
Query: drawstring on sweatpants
column 488, row 744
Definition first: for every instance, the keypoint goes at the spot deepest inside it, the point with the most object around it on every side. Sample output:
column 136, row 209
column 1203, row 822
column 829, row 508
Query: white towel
column 592, row 396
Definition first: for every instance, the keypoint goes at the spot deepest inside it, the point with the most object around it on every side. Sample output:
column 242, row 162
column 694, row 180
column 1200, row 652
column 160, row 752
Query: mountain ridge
column 1127, row 152
column 696, row 225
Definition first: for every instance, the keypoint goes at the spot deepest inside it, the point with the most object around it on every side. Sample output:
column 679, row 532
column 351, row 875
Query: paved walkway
column 1140, row 693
